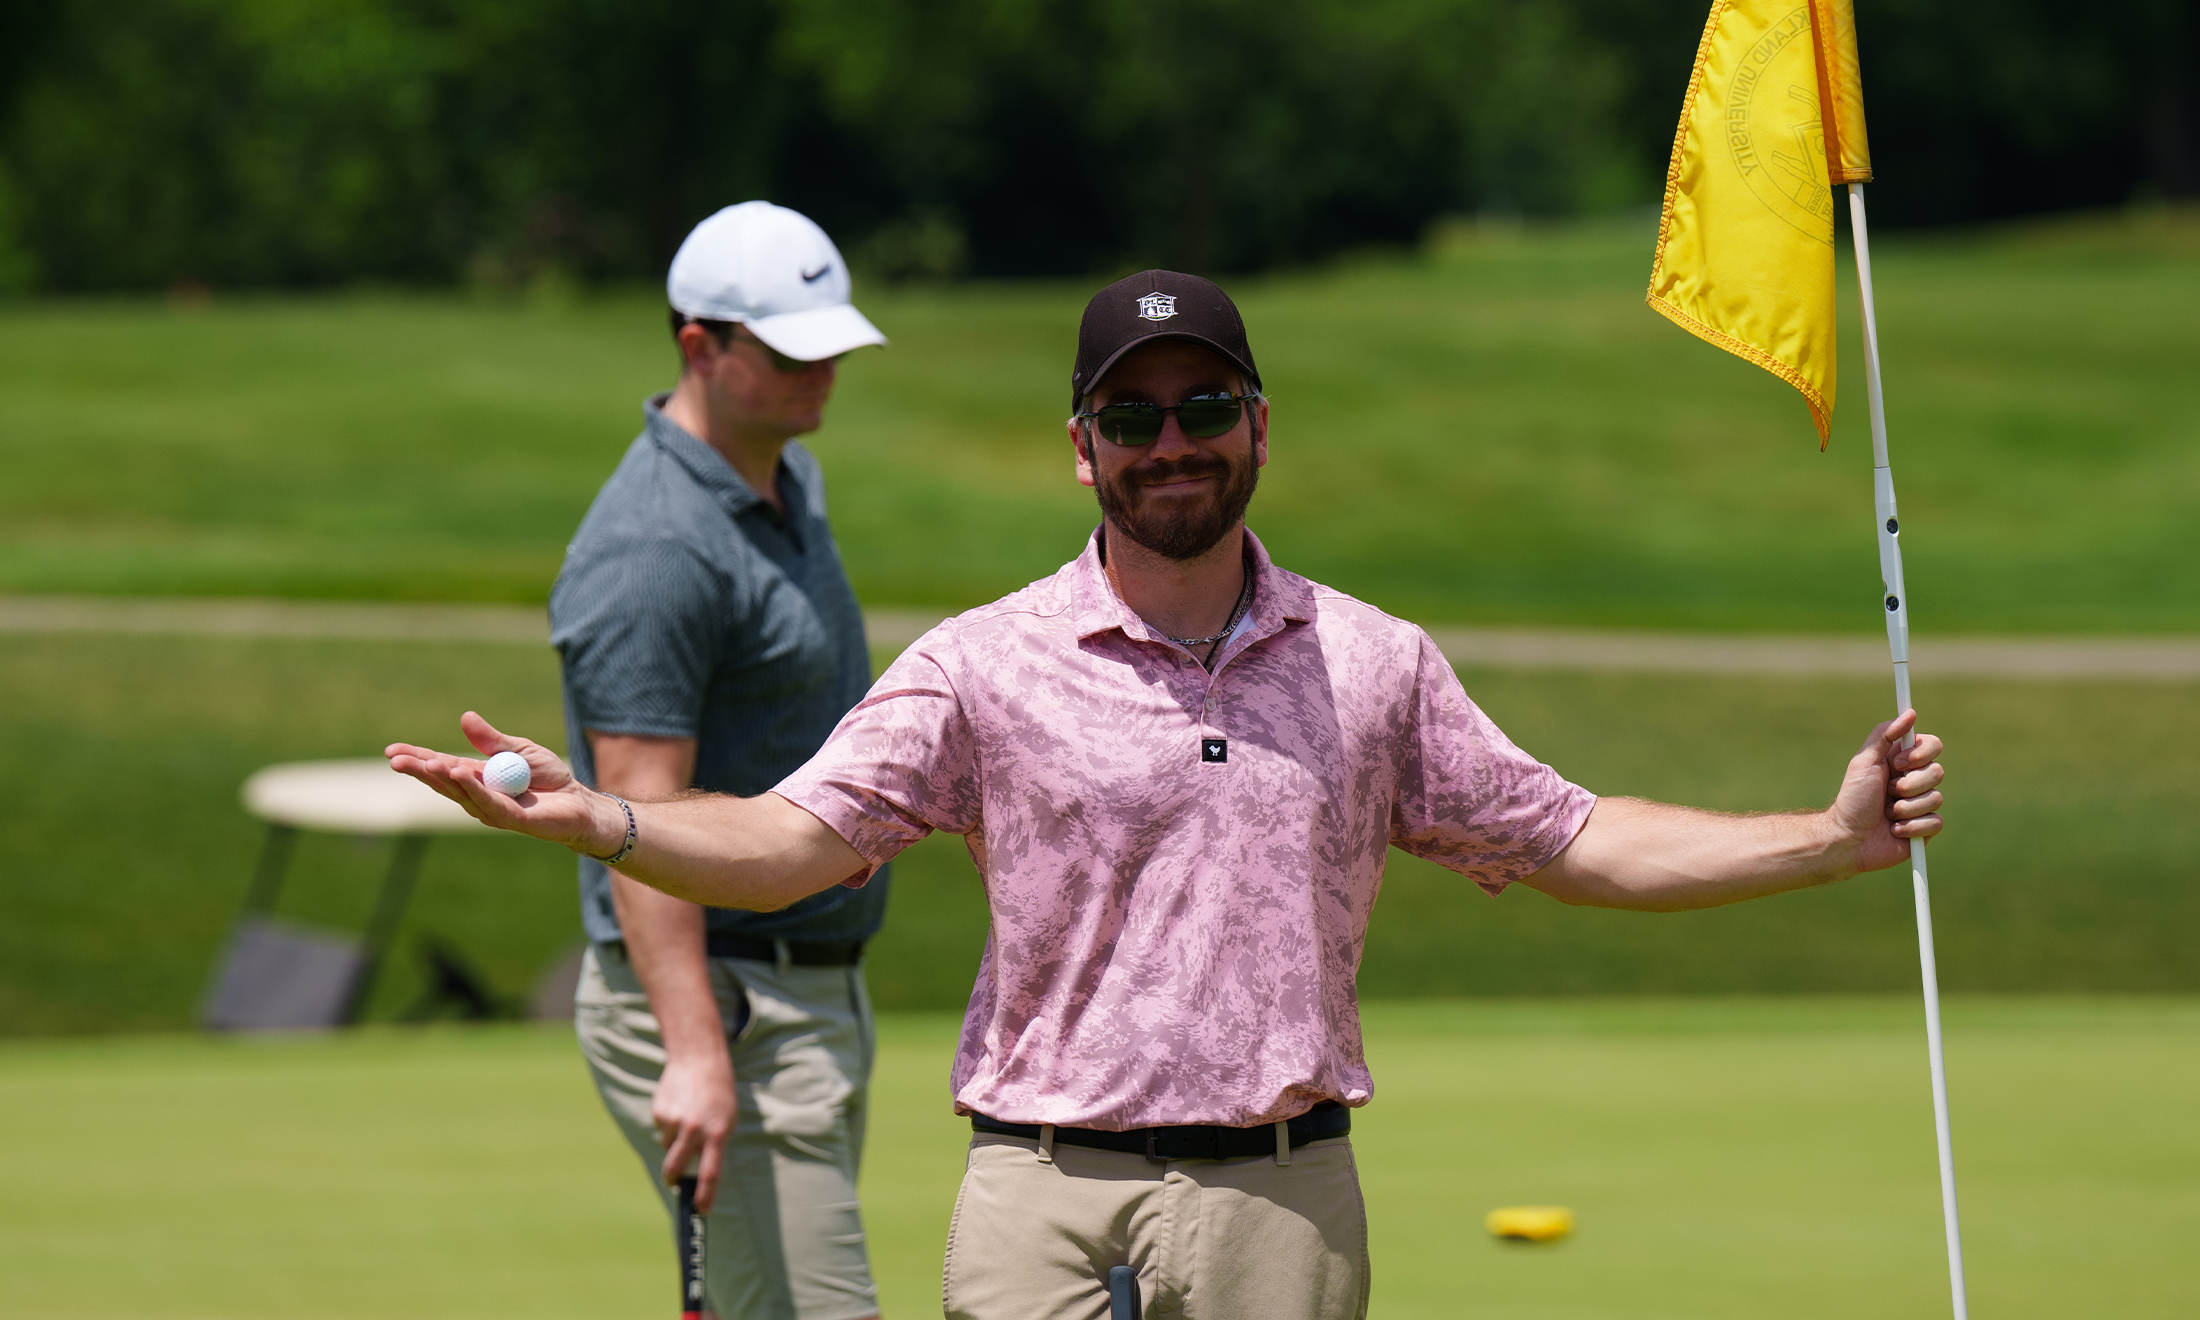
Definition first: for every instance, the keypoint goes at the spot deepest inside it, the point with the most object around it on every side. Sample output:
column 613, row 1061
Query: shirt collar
column 709, row 467
column 1279, row 598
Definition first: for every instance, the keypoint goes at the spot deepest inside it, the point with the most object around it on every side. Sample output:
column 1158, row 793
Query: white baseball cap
column 774, row 271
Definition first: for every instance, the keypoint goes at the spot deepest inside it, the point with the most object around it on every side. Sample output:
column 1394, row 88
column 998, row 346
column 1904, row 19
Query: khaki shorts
column 785, row 1236
column 1247, row 1239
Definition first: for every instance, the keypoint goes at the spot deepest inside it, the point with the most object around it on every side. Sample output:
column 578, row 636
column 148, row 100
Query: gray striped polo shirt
column 689, row 607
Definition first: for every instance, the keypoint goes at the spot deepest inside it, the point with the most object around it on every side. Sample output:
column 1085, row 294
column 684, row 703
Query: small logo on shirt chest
column 1214, row 749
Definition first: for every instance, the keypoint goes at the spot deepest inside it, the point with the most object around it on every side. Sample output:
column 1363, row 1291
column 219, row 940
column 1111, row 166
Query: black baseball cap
column 1156, row 304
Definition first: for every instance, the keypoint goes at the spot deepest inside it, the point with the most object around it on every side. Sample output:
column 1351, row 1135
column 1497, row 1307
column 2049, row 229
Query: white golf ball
column 508, row 773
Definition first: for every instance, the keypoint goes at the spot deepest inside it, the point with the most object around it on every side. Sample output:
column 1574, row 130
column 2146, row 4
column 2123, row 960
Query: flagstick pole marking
column 1897, row 606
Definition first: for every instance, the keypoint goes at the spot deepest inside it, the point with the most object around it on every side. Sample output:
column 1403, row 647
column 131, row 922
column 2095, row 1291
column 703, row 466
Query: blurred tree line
column 272, row 142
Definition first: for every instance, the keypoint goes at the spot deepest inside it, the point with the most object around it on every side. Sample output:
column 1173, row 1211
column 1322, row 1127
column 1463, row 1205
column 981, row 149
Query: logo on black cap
column 1156, row 304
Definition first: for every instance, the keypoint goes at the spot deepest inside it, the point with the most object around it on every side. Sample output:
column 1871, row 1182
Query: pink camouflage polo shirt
column 1180, row 865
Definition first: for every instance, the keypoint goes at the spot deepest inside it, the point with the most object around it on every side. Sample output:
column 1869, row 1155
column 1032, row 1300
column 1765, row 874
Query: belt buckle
column 1218, row 1150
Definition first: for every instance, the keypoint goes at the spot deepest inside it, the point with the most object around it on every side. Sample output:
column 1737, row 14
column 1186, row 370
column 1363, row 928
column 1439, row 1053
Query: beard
column 1175, row 529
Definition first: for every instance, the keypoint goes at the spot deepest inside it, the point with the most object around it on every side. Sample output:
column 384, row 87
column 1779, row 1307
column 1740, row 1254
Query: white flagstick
column 1898, row 643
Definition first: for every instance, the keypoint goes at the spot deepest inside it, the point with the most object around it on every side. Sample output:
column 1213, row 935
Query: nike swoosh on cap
column 812, row 277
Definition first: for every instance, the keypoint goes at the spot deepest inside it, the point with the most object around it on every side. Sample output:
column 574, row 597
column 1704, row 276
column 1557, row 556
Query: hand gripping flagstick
column 1897, row 603
column 1745, row 261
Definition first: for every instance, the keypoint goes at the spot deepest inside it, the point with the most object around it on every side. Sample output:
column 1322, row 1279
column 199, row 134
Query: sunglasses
column 1202, row 418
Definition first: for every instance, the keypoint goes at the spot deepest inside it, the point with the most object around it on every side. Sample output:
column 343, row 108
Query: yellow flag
column 1745, row 246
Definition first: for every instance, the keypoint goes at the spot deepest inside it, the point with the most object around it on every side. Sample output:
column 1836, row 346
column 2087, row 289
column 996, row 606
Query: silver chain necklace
column 1245, row 597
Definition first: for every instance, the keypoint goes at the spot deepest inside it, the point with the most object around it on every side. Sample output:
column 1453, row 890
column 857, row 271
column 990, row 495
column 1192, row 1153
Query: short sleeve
column 900, row 765
column 637, row 625
column 1468, row 799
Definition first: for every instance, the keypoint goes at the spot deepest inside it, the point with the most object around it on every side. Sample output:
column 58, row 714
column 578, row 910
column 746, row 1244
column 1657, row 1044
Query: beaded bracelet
column 626, row 847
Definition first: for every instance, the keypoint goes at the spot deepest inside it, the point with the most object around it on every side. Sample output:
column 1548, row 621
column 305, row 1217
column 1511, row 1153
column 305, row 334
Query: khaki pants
column 785, row 1239
column 1247, row 1239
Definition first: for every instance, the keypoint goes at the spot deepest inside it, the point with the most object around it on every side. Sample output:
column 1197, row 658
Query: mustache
column 1195, row 465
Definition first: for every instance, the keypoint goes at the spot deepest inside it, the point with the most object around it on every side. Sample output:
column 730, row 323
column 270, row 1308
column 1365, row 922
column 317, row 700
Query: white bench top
column 351, row 797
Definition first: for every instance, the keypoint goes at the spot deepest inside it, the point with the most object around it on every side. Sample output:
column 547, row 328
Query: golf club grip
column 1123, row 1300
column 691, row 1254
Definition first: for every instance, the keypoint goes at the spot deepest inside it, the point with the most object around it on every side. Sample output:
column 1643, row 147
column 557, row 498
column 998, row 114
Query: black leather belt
column 1196, row 1141
column 800, row 953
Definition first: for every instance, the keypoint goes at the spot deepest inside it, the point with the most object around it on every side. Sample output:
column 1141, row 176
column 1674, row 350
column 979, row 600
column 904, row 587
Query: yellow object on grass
column 1530, row 1223
column 1745, row 244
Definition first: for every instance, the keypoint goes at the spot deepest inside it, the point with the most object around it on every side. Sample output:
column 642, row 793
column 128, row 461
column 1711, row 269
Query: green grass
column 121, row 802
column 1727, row 1158
column 1495, row 430
column 2050, row 877
column 2065, row 869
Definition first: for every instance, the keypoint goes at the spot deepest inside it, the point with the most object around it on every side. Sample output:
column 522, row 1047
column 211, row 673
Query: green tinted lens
column 1130, row 423
column 1204, row 419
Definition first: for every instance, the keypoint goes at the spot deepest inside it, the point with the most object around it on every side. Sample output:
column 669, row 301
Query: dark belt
column 1194, row 1141
column 800, row 953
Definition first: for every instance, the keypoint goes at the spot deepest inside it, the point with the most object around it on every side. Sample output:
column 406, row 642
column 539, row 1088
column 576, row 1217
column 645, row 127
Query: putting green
column 1726, row 1158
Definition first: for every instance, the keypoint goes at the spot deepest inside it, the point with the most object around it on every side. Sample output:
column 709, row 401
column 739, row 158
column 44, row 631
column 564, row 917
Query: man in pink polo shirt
column 1178, row 768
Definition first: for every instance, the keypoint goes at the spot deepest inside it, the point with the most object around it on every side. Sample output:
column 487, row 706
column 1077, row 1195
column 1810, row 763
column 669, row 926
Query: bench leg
column 389, row 909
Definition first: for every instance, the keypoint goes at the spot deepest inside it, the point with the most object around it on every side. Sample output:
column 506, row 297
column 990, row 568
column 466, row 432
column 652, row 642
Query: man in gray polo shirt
column 710, row 640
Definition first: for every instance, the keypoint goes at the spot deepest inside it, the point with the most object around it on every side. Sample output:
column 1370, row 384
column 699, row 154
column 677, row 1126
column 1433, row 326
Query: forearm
column 1651, row 857
column 664, row 940
column 758, row 853
column 664, row 935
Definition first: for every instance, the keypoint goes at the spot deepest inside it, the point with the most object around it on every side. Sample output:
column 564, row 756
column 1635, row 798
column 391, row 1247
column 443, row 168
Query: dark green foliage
column 2029, row 105
column 146, row 143
column 237, row 142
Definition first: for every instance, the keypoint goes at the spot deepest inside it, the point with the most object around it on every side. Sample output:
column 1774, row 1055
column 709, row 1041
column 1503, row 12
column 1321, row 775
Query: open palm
column 556, row 806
